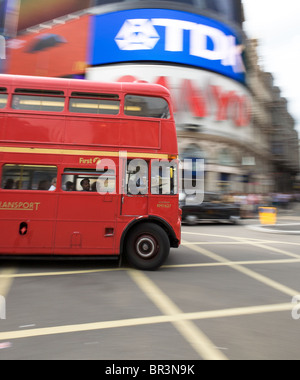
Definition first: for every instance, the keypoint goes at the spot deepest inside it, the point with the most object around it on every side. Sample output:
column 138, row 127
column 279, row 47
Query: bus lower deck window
column 89, row 181
column 164, row 178
column 28, row 177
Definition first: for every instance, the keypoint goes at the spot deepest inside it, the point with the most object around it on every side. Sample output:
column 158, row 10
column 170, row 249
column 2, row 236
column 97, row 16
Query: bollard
column 268, row 215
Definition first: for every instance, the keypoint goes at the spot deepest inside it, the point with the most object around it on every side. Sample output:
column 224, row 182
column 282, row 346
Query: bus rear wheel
column 147, row 247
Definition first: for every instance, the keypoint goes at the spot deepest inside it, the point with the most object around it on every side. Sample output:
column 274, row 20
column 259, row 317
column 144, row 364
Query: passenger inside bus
column 69, row 186
column 43, row 185
column 85, row 184
column 53, row 185
column 9, row 184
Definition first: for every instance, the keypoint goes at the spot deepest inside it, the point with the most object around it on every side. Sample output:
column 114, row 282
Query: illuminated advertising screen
column 58, row 51
column 33, row 12
column 229, row 10
column 202, row 100
column 161, row 35
column 2, row 15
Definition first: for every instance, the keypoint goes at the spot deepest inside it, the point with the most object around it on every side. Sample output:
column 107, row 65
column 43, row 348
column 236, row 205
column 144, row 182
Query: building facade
column 272, row 120
column 224, row 104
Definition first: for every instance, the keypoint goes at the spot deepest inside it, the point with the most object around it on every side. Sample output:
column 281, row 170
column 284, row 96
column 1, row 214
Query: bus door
column 86, row 219
column 27, row 209
column 135, row 187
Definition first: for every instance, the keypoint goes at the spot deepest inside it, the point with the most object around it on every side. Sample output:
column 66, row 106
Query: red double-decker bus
column 88, row 169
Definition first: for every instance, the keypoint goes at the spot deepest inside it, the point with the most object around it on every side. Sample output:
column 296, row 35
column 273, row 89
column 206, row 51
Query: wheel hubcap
column 146, row 247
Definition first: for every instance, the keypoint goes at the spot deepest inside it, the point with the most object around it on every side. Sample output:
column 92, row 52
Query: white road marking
column 248, row 272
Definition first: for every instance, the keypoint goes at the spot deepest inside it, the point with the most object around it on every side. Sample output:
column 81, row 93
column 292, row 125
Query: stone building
column 273, row 125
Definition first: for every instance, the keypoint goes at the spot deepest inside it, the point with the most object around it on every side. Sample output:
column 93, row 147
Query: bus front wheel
column 147, row 247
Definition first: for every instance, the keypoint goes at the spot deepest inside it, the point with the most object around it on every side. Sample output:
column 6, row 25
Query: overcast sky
column 276, row 23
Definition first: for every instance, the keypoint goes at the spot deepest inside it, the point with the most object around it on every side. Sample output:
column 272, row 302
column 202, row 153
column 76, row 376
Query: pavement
column 288, row 222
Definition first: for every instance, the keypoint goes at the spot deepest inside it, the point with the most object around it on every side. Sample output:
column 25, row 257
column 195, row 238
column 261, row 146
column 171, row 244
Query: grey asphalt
column 226, row 293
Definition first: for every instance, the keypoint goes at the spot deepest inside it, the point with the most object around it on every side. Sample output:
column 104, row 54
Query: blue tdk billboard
column 161, row 35
column 3, row 5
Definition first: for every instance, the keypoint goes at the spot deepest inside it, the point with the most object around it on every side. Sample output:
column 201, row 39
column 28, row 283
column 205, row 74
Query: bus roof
column 20, row 81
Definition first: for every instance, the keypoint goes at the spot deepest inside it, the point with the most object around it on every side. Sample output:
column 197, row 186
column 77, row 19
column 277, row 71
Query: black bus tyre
column 147, row 247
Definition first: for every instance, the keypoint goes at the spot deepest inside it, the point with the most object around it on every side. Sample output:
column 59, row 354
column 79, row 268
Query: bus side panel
column 167, row 208
column 2, row 125
column 27, row 222
column 169, row 138
column 86, row 224
column 31, row 128
column 140, row 134
column 92, row 131
column 103, row 132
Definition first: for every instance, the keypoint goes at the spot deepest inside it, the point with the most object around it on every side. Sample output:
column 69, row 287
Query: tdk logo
column 204, row 41
column 138, row 34
column 165, row 35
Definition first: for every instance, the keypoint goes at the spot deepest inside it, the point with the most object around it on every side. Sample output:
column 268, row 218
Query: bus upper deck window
column 3, row 98
column 38, row 103
column 146, row 106
column 92, row 103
